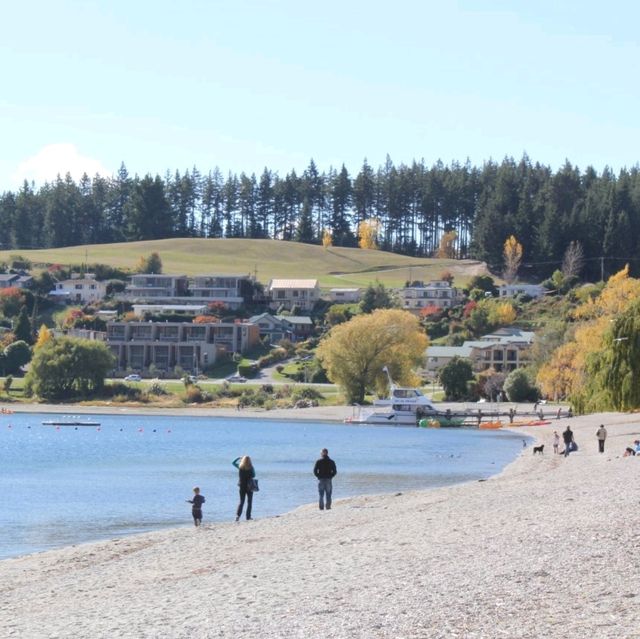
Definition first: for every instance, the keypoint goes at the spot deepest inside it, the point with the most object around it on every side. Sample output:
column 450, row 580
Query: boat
column 404, row 406
column 67, row 422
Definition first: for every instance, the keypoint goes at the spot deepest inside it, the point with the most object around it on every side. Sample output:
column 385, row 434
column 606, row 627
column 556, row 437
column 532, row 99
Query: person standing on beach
column 601, row 434
column 325, row 470
column 246, row 472
column 567, row 437
column 556, row 442
column 196, row 509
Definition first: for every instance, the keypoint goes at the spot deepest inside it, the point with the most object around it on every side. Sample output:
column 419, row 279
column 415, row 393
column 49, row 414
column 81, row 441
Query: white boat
column 405, row 406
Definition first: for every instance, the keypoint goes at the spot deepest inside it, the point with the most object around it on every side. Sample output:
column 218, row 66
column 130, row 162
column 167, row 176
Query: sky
column 247, row 84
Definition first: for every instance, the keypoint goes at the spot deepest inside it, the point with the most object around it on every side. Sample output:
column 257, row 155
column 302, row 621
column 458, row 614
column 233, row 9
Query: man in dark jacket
column 325, row 471
column 567, row 437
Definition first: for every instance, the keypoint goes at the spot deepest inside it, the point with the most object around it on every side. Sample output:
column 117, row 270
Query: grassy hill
column 266, row 258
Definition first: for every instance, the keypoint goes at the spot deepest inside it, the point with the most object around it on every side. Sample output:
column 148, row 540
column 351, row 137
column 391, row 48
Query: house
column 15, row 280
column 503, row 350
column 80, row 290
column 225, row 289
column 511, row 290
column 345, row 295
column 156, row 288
column 438, row 294
column 288, row 293
column 179, row 289
column 279, row 327
column 165, row 345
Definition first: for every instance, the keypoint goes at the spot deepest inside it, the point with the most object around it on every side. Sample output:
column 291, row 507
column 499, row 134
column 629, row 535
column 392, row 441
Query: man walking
column 325, row 471
column 601, row 434
column 567, row 437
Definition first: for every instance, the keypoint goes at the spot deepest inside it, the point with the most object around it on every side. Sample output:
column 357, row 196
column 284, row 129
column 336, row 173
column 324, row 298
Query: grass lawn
column 333, row 266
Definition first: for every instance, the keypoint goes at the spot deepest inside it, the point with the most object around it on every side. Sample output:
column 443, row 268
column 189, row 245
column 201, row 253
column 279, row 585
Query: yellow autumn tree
column 512, row 253
column 447, row 247
column 327, row 238
column 354, row 353
column 566, row 373
column 368, row 233
column 557, row 378
column 503, row 314
column 44, row 335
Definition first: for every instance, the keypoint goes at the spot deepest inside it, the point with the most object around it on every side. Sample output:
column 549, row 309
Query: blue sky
column 248, row 84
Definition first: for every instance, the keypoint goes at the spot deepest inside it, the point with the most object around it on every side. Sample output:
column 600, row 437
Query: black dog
column 538, row 449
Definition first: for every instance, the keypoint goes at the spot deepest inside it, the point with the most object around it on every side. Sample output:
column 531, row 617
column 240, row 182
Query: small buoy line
column 80, row 422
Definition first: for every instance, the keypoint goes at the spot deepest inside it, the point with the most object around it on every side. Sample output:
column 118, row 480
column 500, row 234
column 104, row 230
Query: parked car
column 236, row 378
column 134, row 377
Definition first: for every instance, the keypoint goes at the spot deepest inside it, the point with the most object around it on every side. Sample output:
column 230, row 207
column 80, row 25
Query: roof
column 449, row 351
column 293, row 283
column 8, row 277
column 295, row 319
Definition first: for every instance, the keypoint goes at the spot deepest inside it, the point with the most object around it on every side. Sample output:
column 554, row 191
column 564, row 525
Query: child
column 556, row 442
column 196, row 509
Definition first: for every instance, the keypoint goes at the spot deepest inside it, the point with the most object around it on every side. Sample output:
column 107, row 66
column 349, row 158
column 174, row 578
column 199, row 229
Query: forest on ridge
column 414, row 205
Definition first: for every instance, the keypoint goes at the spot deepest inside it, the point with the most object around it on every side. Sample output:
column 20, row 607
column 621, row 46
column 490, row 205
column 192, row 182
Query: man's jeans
column 324, row 489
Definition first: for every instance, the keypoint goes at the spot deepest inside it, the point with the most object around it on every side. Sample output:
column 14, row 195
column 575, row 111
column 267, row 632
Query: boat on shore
column 405, row 406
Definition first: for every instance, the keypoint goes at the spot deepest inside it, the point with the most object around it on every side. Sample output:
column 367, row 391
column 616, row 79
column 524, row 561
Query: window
column 78, row 287
column 295, row 293
column 280, row 295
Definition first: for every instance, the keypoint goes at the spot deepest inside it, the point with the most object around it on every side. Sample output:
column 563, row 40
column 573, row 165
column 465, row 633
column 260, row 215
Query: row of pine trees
column 414, row 206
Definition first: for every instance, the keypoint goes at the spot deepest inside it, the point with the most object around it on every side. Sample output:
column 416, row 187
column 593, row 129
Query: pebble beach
column 548, row 548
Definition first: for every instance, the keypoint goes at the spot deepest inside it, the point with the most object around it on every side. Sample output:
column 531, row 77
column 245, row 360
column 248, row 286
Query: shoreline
column 536, row 550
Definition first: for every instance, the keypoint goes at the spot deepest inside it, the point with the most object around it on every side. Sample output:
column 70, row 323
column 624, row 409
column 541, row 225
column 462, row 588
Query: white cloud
column 55, row 159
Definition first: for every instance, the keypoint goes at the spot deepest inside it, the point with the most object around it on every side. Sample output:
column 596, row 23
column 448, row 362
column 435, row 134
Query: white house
column 511, row 290
column 439, row 294
column 345, row 295
column 82, row 290
column 293, row 292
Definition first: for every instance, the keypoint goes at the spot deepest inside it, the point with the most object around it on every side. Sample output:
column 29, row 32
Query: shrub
column 156, row 389
column 519, row 387
column 194, row 395
column 454, row 377
column 7, row 383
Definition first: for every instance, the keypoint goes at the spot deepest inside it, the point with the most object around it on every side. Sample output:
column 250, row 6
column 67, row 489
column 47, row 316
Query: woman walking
column 246, row 473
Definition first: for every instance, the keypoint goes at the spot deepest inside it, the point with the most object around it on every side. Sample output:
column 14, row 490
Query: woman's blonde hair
column 245, row 463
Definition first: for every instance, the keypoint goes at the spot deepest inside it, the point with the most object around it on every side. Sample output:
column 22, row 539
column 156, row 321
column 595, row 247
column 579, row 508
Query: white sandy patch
column 550, row 548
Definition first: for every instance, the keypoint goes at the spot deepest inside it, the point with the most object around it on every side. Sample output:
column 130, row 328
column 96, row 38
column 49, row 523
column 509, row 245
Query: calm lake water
column 61, row 486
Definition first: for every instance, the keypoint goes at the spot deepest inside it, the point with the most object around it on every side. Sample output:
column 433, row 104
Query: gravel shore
column 548, row 548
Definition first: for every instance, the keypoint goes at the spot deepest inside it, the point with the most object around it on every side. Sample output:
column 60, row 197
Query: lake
column 67, row 485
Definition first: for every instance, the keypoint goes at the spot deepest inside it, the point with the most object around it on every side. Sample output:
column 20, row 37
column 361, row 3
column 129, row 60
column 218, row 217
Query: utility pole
column 602, row 268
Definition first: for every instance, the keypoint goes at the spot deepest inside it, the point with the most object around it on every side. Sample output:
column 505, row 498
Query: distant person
column 601, row 434
column 632, row 451
column 556, row 442
column 512, row 414
column 325, row 470
column 196, row 509
column 246, row 473
column 567, row 437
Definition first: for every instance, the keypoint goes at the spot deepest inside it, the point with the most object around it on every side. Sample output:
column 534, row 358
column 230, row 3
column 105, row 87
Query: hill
column 334, row 266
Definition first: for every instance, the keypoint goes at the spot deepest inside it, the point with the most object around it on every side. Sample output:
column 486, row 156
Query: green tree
column 151, row 264
column 304, row 231
column 22, row 327
column 376, row 296
column 454, row 377
column 16, row 355
column 65, row 367
column 519, row 387
column 354, row 353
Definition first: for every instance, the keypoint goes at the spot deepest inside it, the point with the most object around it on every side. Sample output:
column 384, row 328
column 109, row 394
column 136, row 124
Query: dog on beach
column 538, row 449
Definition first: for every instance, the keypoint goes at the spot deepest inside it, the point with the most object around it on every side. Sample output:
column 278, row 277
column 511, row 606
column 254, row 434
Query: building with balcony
column 439, row 294
column 287, row 293
column 165, row 345
column 279, row 327
column 531, row 290
column 156, row 288
column 225, row 289
column 503, row 350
